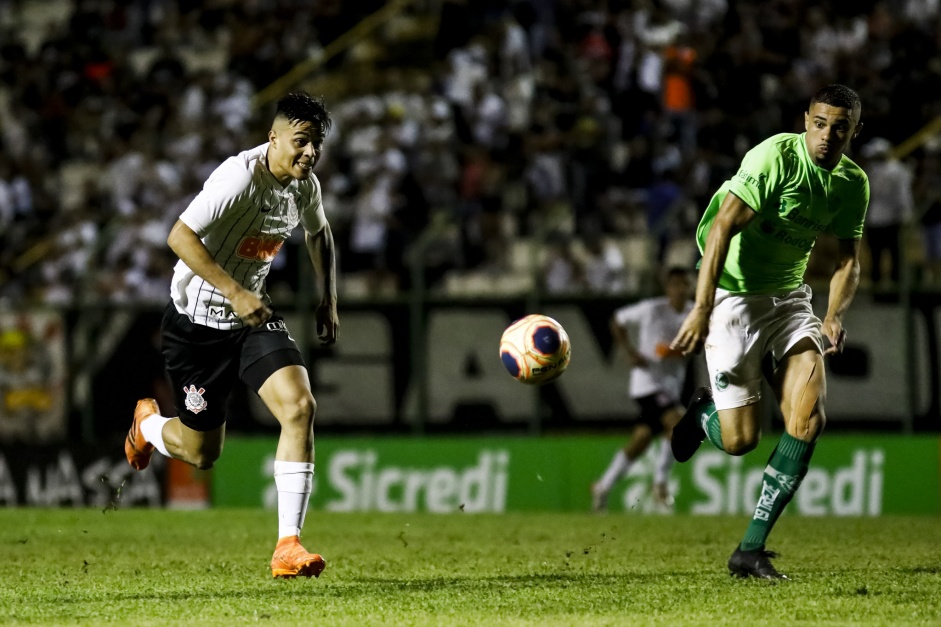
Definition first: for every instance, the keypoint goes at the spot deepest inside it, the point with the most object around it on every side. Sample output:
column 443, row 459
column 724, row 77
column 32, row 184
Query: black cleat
column 755, row 563
column 688, row 433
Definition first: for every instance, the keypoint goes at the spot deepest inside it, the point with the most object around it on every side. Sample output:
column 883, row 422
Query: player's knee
column 300, row 413
column 739, row 443
column 204, row 460
column 643, row 432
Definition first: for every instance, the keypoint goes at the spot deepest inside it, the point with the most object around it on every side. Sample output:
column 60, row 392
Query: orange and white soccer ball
column 535, row 349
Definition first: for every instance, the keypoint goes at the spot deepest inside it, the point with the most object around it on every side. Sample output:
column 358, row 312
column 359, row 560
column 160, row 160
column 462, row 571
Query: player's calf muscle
column 806, row 386
column 806, row 428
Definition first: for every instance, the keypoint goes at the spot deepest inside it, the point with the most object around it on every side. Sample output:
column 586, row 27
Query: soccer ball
column 535, row 349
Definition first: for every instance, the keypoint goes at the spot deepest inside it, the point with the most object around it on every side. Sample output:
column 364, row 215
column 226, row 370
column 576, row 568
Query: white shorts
column 745, row 328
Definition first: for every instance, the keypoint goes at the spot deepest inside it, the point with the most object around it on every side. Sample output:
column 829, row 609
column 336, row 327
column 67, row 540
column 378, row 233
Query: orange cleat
column 291, row 560
column 136, row 448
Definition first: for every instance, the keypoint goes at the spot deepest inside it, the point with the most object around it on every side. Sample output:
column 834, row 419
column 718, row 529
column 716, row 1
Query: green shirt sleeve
column 848, row 223
column 763, row 169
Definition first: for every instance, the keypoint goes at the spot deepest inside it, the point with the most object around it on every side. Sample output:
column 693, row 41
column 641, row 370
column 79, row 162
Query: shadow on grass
column 370, row 586
column 543, row 581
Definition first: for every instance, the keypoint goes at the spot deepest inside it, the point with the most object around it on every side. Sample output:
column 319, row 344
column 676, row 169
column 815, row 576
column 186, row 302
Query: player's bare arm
column 843, row 286
column 623, row 340
column 734, row 213
column 189, row 248
column 322, row 252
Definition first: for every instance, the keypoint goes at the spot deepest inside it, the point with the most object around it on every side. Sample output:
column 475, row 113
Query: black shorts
column 204, row 364
column 652, row 408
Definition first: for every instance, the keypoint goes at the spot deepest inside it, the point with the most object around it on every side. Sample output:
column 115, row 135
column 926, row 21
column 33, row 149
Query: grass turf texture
column 140, row 567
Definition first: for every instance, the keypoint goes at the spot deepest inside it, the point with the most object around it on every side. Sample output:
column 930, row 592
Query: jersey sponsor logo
column 278, row 325
column 222, row 313
column 258, row 247
column 794, row 215
column 802, row 243
column 746, row 177
column 194, row 399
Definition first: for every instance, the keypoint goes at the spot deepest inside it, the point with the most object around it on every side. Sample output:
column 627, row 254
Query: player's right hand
column 693, row 333
column 250, row 308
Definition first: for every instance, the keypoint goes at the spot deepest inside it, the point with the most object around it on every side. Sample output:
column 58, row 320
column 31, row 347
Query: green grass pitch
column 153, row 567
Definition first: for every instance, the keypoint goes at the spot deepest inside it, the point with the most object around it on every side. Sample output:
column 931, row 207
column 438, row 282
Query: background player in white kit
column 219, row 325
column 656, row 383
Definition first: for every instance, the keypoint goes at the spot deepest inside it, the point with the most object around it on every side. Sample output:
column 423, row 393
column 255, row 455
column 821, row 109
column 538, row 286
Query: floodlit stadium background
column 488, row 159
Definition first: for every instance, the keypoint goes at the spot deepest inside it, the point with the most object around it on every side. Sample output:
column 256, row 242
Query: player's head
column 678, row 286
column 297, row 133
column 831, row 122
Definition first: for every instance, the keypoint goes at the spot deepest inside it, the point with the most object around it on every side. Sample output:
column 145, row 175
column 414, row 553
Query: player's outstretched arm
column 843, row 286
column 623, row 340
column 731, row 218
column 186, row 244
column 322, row 252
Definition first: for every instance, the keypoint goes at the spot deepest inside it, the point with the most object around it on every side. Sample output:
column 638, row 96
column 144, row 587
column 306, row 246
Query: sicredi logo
column 721, row 486
column 363, row 483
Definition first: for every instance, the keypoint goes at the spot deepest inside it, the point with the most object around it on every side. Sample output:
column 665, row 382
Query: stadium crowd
column 598, row 129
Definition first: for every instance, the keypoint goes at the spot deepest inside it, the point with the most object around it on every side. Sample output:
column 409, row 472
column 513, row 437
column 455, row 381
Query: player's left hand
column 833, row 330
column 328, row 323
column 693, row 332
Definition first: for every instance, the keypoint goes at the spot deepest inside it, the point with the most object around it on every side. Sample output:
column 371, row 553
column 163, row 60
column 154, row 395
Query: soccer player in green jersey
column 756, row 237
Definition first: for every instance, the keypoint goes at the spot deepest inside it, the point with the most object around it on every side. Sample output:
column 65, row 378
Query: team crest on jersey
column 194, row 399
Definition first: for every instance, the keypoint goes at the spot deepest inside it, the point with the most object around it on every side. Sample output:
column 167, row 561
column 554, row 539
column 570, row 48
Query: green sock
column 709, row 417
column 783, row 475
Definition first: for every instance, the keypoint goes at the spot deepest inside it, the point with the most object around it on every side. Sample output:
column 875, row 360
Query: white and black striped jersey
column 242, row 215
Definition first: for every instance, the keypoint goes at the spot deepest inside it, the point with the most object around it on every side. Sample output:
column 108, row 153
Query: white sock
column 152, row 430
column 618, row 467
column 294, row 481
column 664, row 463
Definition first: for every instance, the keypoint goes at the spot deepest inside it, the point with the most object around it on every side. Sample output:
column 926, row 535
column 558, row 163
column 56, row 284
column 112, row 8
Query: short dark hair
column 838, row 96
column 299, row 106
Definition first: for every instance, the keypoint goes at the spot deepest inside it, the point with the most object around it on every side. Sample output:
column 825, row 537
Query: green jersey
column 795, row 200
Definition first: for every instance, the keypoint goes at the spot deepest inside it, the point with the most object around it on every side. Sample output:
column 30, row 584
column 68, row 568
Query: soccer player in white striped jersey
column 656, row 382
column 219, row 325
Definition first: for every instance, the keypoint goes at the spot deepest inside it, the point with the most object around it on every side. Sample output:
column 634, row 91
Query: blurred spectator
column 370, row 228
column 562, row 272
column 890, row 207
column 664, row 201
column 27, row 392
column 532, row 117
column 604, row 265
column 928, row 204
column 679, row 101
